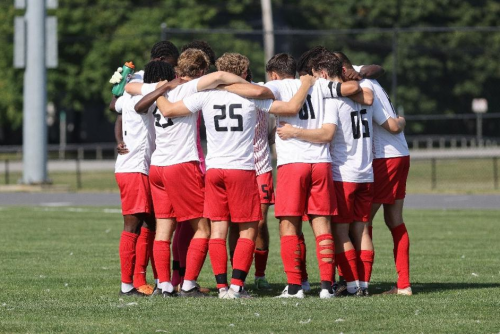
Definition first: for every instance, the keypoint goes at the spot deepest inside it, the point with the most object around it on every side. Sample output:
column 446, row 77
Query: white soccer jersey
column 351, row 147
column 386, row 144
column 139, row 137
column 176, row 137
column 309, row 117
column 230, row 122
column 137, row 76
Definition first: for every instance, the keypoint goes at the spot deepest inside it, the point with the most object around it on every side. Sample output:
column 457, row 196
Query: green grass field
column 60, row 273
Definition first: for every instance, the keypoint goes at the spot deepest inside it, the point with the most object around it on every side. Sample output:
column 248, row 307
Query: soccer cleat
column 325, row 294
column 365, row 292
column 306, row 286
column 165, row 294
column 193, row 293
column 395, row 291
column 285, row 294
column 228, row 293
column 133, row 293
column 146, row 289
column 343, row 292
column 262, row 284
column 244, row 294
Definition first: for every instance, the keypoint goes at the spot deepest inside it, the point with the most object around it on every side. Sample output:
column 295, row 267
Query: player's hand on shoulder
column 307, row 79
column 286, row 131
column 121, row 148
column 351, row 74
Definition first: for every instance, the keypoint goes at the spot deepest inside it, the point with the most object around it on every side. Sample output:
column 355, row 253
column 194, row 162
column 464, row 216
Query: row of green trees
column 437, row 72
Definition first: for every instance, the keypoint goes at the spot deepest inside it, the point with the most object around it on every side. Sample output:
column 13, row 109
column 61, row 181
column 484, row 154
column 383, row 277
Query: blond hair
column 192, row 63
column 233, row 63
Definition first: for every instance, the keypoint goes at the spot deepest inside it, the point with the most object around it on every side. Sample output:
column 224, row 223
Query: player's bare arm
column 364, row 97
column 171, row 110
column 249, row 91
column 349, row 88
column 395, row 125
column 366, row 72
column 147, row 101
column 322, row 135
column 121, row 148
column 293, row 106
column 212, row 80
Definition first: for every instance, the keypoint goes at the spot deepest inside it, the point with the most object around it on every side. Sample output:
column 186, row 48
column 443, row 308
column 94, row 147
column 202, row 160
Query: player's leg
column 393, row 214
column 243, row 255
column 293, row 183
column 165, row 228
column 360, row 234
column 321, row 226
column 291, row 254
column 234, row 234
column 196, row 255
column 345, row 254
column 262, row 251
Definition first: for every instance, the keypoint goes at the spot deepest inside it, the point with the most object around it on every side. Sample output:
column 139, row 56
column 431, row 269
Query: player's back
column 385, row 144
column 176, row 137
column 309, row 117
column 230, row 123
column 351, row 147
column 138, row 135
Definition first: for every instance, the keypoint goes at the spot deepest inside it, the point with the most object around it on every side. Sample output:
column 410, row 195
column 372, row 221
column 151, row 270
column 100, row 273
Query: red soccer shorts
column 354, row 201
column 232, row 195
column 305, row 188
column 134, row 192
column 390, row 176
column 266, row 187
column 178, row 191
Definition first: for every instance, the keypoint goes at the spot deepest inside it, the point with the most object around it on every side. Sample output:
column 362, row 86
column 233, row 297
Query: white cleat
column 284, row 294
column 402, row 292
column 324, row 294
column 228, row 293
column 306, row 286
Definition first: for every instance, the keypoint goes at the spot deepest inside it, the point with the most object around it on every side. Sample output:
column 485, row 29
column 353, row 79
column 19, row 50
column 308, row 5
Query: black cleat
column 365, row 292
column 159, row 293
column 193, row 293
column 132, row 293
column 342, row 292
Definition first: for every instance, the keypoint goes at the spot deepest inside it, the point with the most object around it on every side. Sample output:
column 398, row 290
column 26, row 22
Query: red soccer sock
column 127, row 255
column 347, row 262
column 365, row 264
column 402, row 255
column 261, row 262
column 141, row 258
column 291, row 257
column 303, row 262
column 325, row 255
column 161, row 253
column 151, row 241
column 197, row 252
column 218, row 259
column 243, row 256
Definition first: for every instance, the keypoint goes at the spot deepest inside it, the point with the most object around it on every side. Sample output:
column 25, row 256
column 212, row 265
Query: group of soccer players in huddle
column 341, row 155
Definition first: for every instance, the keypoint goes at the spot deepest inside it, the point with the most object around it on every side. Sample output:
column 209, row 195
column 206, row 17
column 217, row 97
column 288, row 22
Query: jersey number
column 232, row 115
column 306, row 109
column 356, row 128
column 266, row 191
column 158, row 119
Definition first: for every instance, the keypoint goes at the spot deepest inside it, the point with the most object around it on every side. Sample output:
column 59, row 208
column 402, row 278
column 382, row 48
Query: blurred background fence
column 439, row 57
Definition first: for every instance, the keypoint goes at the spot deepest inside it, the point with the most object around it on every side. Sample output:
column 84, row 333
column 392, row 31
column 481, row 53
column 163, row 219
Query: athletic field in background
column 60, row 273
column 470, row 176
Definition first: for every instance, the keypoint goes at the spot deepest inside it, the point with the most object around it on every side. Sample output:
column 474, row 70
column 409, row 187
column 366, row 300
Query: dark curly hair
column 166, row 51
column 203, row 46
column 329, row 62
column 158, row 70
column 304, row 64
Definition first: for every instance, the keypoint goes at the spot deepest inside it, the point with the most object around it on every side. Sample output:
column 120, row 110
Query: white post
column 35, row 97
column 267, row 22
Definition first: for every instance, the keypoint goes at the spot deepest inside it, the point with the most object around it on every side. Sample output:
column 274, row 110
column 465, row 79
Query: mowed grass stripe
column 60, row 273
